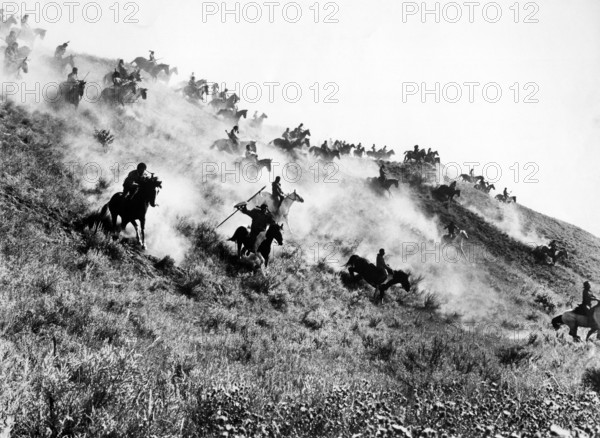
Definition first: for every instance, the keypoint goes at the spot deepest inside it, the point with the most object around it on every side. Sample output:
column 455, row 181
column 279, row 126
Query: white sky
column 371, row 52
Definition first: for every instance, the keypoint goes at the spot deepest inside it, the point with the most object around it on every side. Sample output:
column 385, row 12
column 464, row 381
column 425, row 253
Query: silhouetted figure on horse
column 583, row 315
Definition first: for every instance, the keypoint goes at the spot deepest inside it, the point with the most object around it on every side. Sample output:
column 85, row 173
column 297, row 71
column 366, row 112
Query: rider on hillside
column 586, row 300
column 233, row 137
column 192, row 81
column 122, row 70
column 505, row 193
column 382, row 265
column 278, row 195
column 261, row 219
column 131, row 183
column 382, row 173
column 151, row 58
column 11, row 38
column 286, row 135
column 451, row 227
column 72, row 77
column 25, row 21
column 250, row 154
column 223, row 94
column 11, row 54
column 61, row 50
column 116, row 78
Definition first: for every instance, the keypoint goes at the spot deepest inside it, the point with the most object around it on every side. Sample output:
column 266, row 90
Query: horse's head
column 296, row 197
column 404, row 279
column 307, row 133
column 264, row 116
column 274, row 232
column 336, row 154
column 11, row 20
column 243, row 113
column 149, row 188
column 144, row 93
column 174, row 71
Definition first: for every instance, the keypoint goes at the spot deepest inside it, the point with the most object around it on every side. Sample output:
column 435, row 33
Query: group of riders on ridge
column 15, row 57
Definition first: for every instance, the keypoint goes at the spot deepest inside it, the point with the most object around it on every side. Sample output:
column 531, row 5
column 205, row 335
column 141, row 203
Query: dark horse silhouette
column 241, row 235
column 546, row 255
column 359, row 267
column 445, row 193
column 385, row 186
column 134, row 208
column 70, row 92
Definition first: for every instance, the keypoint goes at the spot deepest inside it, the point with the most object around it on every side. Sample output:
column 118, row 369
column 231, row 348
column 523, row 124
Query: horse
column 359, row 267
column 260, row 164
column 546, row 255
column 457, row 240
column 60, row 63
column 70, row 92
column 264, row 241
column 220, row 104
column 574, row 319
column 257, row 122
column 134, row 76
column 386, row 185
column 506, row 200
column 226, row 145
column 482, row 186
column 412, row 155
column 232, row 116
column 325, row 154
column 281, row 212
column 289, row 146
column 157, row 69
column 445, row 193
column 135, row 208
column 15, row 68
column 144, row 64
column 128, row 93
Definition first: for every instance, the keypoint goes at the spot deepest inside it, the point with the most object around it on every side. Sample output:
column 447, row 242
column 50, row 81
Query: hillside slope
column 101, row 339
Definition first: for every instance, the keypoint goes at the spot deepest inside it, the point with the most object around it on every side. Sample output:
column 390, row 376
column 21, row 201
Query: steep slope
column 102, row 339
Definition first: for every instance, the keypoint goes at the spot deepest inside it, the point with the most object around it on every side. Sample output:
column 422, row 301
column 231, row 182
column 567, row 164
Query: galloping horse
column 359, row 267
column 259, row 164
column 507, row 200
column 328, row 155
column 457, row 240
column 128, row 93
column 134, row 76
column 16, row 68
column 220, row 104
column 264, row 240
column 144, row 64
column 157, row 69
column 544, row 254
column 60, row 64
column 575, row 320
column 279, row 213
column 445, row 193
column 231, row 116
column 70, row 92
column 257, row 123
column 380, row 187
column 134, row 208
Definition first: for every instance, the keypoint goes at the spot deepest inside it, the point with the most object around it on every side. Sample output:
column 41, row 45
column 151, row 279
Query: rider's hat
column 382, row 251
column 141, row 166
column 586, row 284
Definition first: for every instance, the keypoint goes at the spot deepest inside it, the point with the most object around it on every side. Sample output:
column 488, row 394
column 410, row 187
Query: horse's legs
column 590, row 333
column 115, row 230
column 137, row 233
column 573, row 333
column 143, row 229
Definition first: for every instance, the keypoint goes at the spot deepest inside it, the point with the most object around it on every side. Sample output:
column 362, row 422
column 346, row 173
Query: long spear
column 232, row 214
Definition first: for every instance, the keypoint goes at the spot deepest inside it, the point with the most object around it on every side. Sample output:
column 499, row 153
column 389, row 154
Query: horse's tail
column 557, row 322
column 239, row 235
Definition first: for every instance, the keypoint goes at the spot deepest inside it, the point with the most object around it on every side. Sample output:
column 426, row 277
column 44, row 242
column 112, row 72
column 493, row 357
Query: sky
column 361, row 69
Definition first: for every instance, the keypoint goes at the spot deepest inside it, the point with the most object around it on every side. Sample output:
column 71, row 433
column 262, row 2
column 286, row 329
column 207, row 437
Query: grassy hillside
column 100, row 339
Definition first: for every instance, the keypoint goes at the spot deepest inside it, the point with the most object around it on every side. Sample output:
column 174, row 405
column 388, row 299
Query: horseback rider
column 382, row 265
column 278, row 195
column 11, row 54
column 373, row 148
column 505, row 193
column 250, row 154
column 233, row 137
column 325, row 147
column 61, row 50
column 11, row 38
column 451, row 227
column 384, row 150
column 261, row 220
column 151, row 58
column 116, row 78
column 132, row 182
column 382, row 174
column 223, row 94
column 25, row 21
column 586, row 300
column 72, row 77
column 124, row 74
column 192, row 81
column 286, row 135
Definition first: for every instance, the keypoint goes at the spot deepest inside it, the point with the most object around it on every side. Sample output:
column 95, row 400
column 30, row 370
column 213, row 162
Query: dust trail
column 341, row 212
